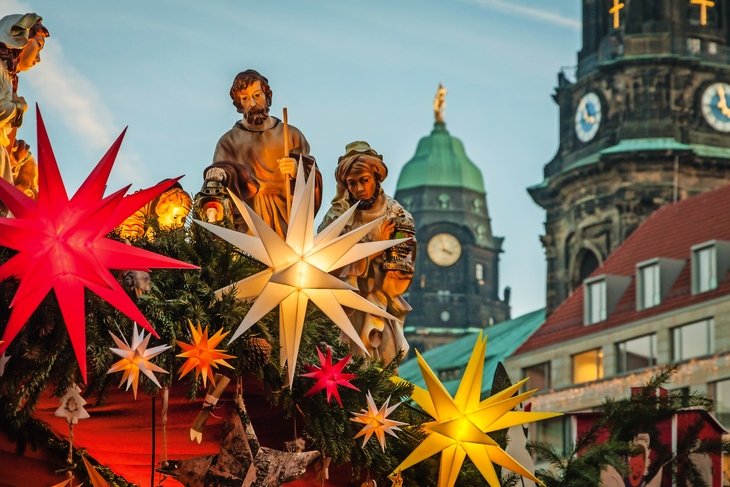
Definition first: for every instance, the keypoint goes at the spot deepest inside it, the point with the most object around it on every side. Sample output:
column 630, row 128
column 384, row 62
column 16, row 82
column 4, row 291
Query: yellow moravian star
column 462, row 423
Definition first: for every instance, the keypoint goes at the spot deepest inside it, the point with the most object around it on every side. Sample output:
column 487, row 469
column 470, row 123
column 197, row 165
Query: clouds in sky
column 62, row 88
column 532, row 13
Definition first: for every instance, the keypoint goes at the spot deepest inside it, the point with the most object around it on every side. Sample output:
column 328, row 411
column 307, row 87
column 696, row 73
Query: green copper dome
column 440, row 160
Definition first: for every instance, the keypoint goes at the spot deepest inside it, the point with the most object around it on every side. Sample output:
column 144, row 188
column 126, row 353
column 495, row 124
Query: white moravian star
column 136, row 358
column 298, row 269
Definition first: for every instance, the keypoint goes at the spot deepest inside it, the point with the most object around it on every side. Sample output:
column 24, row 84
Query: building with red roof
column 663, row 297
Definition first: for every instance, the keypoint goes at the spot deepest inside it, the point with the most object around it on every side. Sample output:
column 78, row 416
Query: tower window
column 443, row 295
column 479, row 272
column 444, row 201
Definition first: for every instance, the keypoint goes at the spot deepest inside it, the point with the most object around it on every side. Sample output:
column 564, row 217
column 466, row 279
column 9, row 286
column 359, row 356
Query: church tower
column 455, row 289
column 645, row 122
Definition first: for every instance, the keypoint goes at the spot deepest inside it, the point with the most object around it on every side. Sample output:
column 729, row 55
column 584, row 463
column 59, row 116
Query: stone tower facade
column 455, row 289
column 645, row 123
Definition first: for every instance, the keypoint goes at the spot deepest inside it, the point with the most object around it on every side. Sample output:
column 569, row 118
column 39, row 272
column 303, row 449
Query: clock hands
column 722, row 102
column 591, row 119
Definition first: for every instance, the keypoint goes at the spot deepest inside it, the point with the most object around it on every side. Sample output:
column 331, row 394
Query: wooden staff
column 288, row 177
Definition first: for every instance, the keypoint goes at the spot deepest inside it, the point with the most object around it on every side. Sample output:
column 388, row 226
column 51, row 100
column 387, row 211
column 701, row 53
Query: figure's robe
column 249, row 159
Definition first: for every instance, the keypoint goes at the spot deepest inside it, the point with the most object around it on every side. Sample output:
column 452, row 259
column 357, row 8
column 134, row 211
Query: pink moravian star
column 62, row 244
column 329, row 376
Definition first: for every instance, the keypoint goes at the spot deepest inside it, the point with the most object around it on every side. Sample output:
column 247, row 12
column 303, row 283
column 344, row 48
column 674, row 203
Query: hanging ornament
column 461, row 423
column 96, row 479
column 215, row 389
column 62, row 245
column 376, row 421
column 72, row 406
column 329, row 376
column 298, row 269
column 202, row 354
column 136, row 358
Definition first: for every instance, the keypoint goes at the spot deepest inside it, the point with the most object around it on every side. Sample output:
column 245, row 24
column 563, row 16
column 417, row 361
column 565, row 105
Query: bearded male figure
column 249, row 159
column 381, row 278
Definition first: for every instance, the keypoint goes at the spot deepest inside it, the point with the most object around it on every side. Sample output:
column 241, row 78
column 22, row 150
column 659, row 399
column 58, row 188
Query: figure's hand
column 215, row 174
column 722, row 102
column 288, row 166
column 386, row 231
column 20, row 152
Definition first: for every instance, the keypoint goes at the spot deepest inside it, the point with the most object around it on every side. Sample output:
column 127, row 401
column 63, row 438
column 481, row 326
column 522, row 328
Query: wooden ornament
column 216, row 388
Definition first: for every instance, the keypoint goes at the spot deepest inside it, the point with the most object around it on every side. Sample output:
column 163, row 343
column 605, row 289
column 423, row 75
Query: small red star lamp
column 329, row 376
column 62, row 244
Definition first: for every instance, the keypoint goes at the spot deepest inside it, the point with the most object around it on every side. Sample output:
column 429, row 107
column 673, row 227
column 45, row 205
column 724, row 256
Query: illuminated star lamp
column 329, row 376
column 298, row 269
column 136, row 359
column 376, row 421
column 62, row 244
column 462, row 423
column 202, row 354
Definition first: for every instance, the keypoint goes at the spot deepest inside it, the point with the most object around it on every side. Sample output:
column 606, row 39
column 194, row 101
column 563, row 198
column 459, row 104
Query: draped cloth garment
column 249, row 159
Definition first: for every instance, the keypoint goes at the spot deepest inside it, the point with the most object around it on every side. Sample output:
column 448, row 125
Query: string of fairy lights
column 590, row 395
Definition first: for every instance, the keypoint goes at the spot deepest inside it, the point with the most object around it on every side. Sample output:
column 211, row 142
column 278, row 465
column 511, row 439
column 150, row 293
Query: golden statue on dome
column 439, row 103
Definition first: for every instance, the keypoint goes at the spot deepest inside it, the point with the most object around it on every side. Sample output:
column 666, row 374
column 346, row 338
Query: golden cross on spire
column 615, row 12
column 703, row 9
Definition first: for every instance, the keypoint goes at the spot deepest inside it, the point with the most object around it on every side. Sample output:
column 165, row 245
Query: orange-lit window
column 588, row 366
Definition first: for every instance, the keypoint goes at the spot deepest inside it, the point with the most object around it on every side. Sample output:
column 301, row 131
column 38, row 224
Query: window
column 555, row 431
column 588, row 366
column 693, row 340
column 649, row 286
column 443, row 295
column 721, row 394
column 654, row 279
column 693, row 45
column 637, row 353
column 704, row 269
column 596, row 301
column 539, row 376
column 602, row 294
column 479, row 272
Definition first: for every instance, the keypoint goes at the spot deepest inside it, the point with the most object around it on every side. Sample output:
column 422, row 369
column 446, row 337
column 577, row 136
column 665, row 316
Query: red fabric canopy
column 119, row 436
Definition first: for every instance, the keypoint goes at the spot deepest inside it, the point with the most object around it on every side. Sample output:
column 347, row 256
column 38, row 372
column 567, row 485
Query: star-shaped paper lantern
column 136, row 359
column 376, row 421
column 72, row 406
column 329, row 376
column 298, row 269
column 462, row 423
column 201, row 355
column 62, row 244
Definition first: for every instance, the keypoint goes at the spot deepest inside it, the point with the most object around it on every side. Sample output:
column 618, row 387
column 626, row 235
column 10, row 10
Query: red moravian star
column 329, row 376
column 62, row 244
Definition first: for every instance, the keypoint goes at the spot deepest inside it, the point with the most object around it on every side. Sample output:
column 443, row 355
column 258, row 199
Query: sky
column 345, row 70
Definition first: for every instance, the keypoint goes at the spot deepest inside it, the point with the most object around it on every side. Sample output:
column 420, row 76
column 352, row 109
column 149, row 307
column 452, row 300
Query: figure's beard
column 368, row 203
column 256, row 115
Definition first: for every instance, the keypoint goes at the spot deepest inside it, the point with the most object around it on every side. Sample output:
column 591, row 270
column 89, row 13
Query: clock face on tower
column 715, row 109
column 588, row 117
column 444, row 249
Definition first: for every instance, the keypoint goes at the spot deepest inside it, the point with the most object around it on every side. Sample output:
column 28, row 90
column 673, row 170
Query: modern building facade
column 662, row 298
column 456, row 286
column 644, row 123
